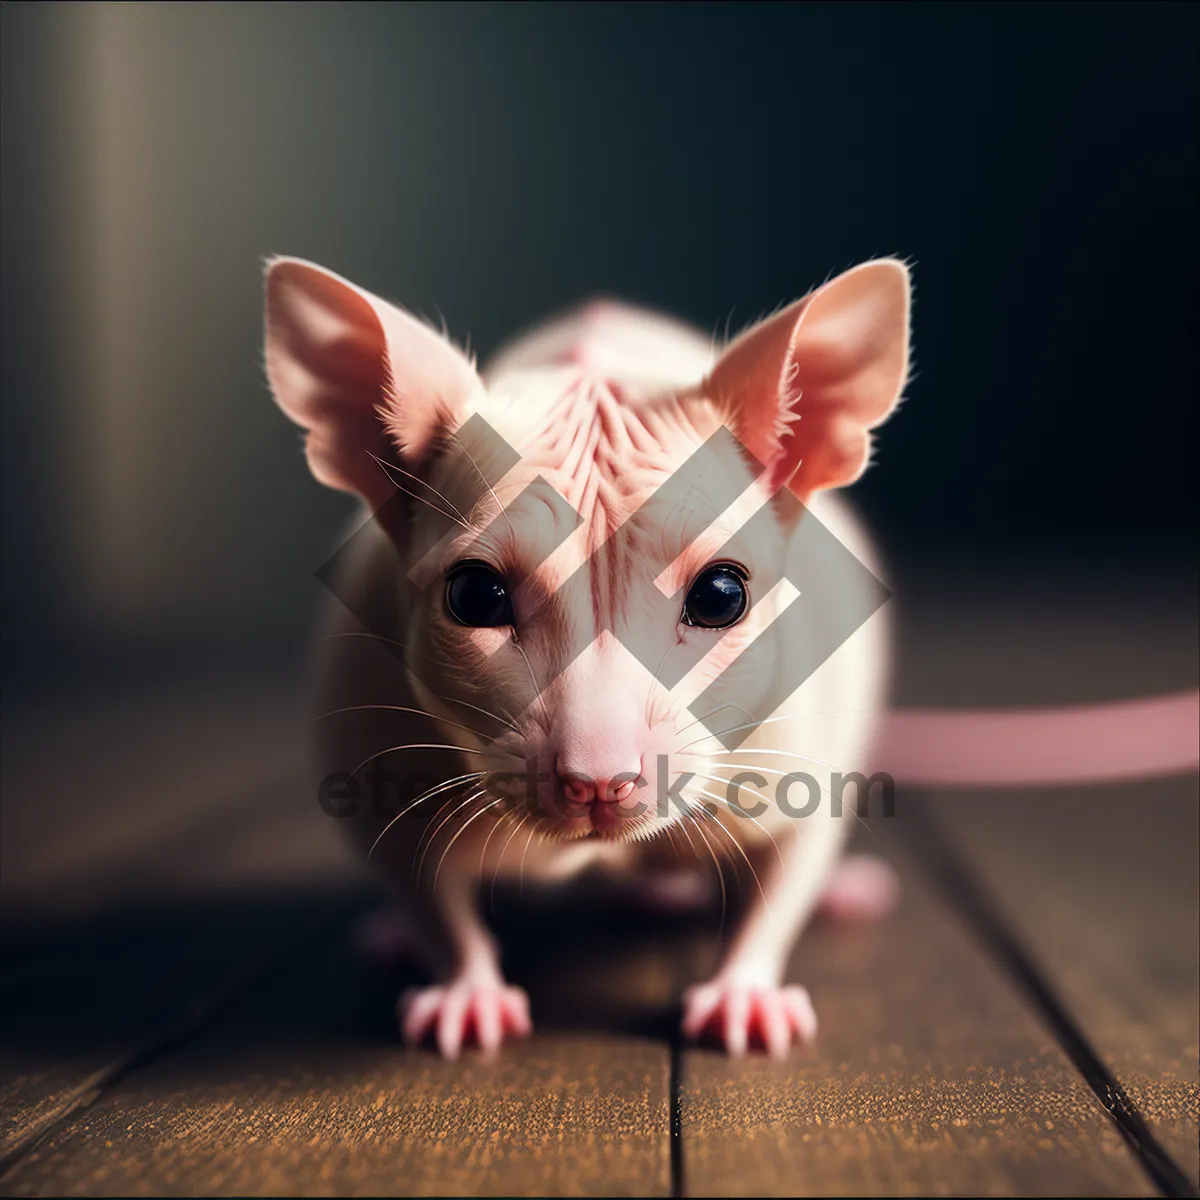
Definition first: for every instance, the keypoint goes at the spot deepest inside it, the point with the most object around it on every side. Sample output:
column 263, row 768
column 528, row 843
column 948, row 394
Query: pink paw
column 743, row 1015
column 489, row 1011
column 861, row 888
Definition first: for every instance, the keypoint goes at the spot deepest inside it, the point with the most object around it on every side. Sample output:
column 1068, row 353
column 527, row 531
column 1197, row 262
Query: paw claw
column 515, row 1006
column 800, row 1011
column 419, row 1010
column 461, row 1012
column 744, row 1016
column 699, row 1005
column 452, row 1022
column 738, row 1013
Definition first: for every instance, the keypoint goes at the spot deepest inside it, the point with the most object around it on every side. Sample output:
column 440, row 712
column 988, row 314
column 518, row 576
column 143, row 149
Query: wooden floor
column 181, row 1011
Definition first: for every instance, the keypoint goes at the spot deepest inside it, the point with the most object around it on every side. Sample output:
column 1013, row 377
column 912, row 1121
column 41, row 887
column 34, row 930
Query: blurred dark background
column 1038, row 163
column 163, row 851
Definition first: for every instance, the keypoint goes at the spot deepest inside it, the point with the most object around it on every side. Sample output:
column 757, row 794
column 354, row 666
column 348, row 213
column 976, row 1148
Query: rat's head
column 582, row 557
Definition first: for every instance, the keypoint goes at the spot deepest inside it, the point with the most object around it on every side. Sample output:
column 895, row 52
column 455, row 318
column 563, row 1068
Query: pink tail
column 1135, row 739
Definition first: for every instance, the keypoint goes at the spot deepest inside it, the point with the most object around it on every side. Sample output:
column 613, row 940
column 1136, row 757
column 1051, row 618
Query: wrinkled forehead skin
column 586, row 470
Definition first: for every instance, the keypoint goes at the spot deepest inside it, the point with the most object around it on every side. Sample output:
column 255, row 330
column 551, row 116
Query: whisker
column 420, row 712
column 716, row 865
column 462, row 804
column 434, row 823
column 533, row 679
column 737, row 845
column 500, row 859
column 669, row 830
column 684, row 831
column 434, row 507
column 521, row 869
column 487, row 842
column 440, row 495
column 377, row 637
column 774, row 771
column 487, row 712
column 488, row 484
column 460, row 831
column 777, row 753
column 424, row 796
column 755, row 767
column 412, row 746
column 743, row 813
column 713, row 714
column 772, row 720
column 650, row 691
column 388, row 468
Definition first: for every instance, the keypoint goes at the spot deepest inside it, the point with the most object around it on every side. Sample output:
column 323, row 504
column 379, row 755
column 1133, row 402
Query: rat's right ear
column 805, row 388
column 364, row 378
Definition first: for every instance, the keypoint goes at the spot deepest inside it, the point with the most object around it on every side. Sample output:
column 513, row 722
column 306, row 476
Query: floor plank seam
column 77, row 1099
column 674, row 1101
column 943, row 863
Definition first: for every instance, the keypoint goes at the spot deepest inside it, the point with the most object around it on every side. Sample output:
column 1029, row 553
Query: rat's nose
column 580, row 787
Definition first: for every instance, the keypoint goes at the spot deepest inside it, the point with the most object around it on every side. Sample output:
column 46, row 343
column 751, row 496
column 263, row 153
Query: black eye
column 476, row 595
column 717, row 599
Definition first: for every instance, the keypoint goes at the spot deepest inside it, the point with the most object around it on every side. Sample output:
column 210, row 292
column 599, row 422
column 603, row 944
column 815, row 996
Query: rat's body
column 585, row 531
column 537, row 587
column 837, row 709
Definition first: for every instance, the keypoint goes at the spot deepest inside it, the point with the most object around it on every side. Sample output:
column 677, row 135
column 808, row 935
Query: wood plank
column 158, row 850
column 307, row 1091
column 194, row 867
column 877, row 1107
column 87, row 997
column 930, row 1076
column 1100, row 884
column 1103, row 885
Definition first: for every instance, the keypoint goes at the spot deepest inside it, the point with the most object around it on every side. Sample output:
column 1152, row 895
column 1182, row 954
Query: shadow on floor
column 280, row 966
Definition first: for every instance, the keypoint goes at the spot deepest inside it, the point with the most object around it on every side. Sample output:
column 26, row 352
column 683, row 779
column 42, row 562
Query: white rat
column 564, row 616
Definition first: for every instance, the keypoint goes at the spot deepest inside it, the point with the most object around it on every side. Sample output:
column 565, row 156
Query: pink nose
column 581, row 790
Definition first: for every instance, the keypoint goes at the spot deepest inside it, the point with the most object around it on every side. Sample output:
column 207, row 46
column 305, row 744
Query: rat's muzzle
column 579, row 789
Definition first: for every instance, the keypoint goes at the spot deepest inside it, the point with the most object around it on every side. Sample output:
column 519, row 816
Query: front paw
column 749, row 1015
column 453, row 1012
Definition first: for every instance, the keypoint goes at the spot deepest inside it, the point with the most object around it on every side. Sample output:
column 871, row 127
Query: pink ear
column 363, row 377
column 804, row 388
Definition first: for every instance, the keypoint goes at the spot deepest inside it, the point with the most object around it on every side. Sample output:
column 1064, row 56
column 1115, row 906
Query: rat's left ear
column 804, row 388
column 364, row 378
